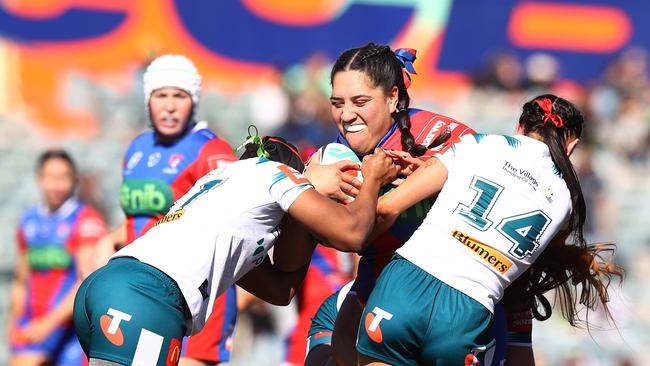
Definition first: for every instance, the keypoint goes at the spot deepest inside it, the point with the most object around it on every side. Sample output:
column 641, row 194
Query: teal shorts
column 322, row 324
column 130, row 313
column 412, row 318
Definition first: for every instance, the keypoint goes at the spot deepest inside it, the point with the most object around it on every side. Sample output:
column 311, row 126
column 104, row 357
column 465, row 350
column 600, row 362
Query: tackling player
column 136, row 309
column 161, row 165
column 501, row 201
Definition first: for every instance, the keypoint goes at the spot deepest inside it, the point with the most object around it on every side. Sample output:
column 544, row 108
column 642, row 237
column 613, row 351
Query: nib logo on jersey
column 44, row 257
column 372, row 323
column 110, row 325
column 144, row 197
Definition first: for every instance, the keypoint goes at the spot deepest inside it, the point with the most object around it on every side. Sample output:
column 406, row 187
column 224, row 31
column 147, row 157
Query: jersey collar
column 67, row 208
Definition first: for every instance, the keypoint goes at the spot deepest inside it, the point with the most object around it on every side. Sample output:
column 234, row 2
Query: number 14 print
column 522, row 230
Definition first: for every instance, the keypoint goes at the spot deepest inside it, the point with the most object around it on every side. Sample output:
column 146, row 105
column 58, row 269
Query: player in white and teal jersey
column 137, row 308
column 501, row 200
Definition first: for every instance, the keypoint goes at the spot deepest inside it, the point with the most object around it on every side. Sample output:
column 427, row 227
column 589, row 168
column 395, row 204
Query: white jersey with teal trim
column 503, row 201
column 220, row 229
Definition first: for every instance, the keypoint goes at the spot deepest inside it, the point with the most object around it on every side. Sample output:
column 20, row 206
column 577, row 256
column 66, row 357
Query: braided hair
column 384, row 70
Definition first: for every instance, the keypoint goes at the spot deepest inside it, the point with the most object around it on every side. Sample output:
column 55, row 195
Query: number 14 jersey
column 503, row 201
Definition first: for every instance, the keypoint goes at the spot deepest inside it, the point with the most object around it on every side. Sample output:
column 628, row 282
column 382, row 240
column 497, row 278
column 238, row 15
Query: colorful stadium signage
column 237, row 43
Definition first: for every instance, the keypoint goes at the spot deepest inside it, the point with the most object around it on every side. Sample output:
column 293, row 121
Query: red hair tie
column 547, row 107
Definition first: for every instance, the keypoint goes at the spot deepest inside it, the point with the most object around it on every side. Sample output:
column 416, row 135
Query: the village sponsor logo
column 521, row 174
column 489, row 255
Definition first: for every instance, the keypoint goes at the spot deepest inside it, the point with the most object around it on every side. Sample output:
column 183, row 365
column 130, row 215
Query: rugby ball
column 334, row 152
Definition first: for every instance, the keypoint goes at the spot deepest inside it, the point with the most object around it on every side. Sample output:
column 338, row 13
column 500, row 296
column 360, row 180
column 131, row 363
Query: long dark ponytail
column 568, row 263
column 384, row 70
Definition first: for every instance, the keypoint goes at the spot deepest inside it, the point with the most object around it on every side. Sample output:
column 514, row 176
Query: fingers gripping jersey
column 425, row 127
column 220, row 229
column 155, row 175
column 503, row 201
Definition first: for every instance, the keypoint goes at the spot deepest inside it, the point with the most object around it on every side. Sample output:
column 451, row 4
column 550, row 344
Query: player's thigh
column 134, row 314
column 70, row 352
column 396, row 317
column 319, row 355
column 346, row 327
column 213, row 344
column 459, row 329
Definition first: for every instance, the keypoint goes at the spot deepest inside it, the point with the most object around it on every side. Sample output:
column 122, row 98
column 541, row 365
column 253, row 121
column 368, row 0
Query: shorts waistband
column 162, row 276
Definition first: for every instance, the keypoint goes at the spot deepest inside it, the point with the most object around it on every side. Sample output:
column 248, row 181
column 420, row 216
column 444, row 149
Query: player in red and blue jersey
column 370, row 105
column 328, row 271
column 159, row 167
column 55, row 243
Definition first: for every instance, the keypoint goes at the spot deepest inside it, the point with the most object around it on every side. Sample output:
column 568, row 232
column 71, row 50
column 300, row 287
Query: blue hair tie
column 406, row 56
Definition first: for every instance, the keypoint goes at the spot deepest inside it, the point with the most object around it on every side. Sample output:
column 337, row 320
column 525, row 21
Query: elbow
column 281, row 298
column 279, row 301
column 386, row 208
column 351, row 242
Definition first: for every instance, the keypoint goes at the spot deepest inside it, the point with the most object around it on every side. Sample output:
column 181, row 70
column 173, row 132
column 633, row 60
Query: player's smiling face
column 362, row 111
column 170, row 109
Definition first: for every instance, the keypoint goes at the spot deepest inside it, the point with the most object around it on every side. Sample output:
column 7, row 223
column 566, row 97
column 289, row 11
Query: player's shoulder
column 426, row 126
column 203, row 133
column 145, row 137
column 421, row 117
column 30, row 213
column 88, row 211
column 90, row 222
column 490, row 139
column 208, row 140
column 141, row 143
column 468, row 143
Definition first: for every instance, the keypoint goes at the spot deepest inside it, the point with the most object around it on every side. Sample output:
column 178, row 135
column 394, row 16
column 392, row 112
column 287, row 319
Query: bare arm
column 272, row 285
column 108, row 245
column 424, row 182
column 346, row 227
column 18, row 290
column 278, row 282
column 294, row 247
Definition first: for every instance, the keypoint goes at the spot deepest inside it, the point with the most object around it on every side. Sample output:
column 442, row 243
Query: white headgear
column 172, row 71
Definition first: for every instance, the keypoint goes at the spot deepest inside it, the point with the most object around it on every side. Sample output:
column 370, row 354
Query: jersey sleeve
column 216, row 153
column 286, row 185
column 128, row 155
column 464, row 147
column 90, row 227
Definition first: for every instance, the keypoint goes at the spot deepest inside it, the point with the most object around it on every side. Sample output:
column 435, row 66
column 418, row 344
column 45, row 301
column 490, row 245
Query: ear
column 393, row 98
column 519, row 130
column 571, row 146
